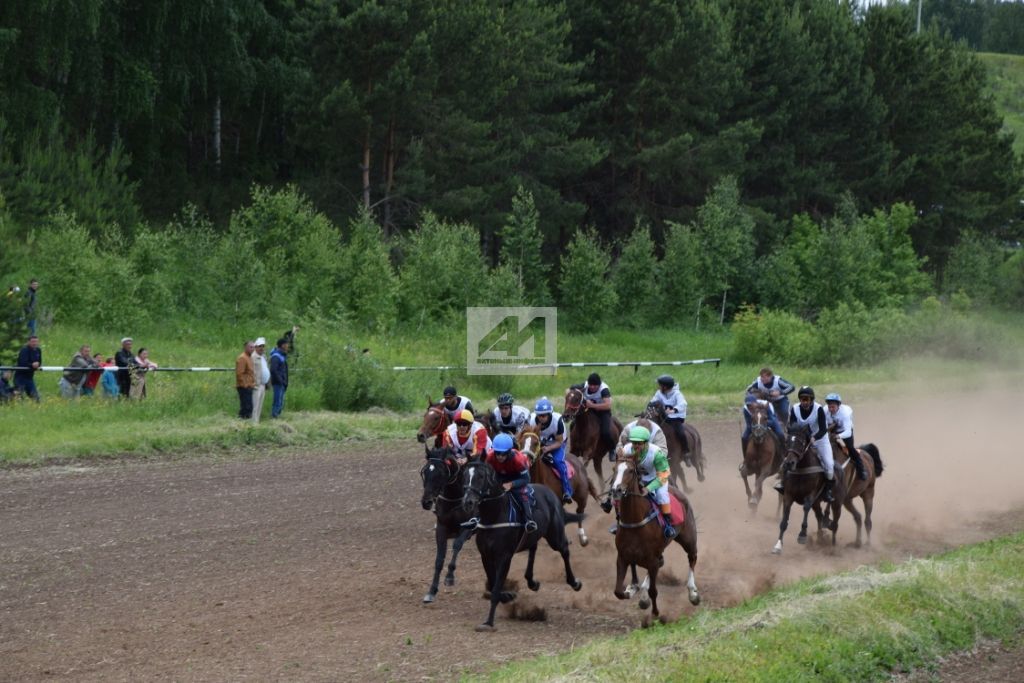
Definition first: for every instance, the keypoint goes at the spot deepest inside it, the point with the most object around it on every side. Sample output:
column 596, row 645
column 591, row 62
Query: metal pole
column 919, row 16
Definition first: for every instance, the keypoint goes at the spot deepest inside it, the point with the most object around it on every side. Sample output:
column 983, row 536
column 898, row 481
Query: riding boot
column 826, row 495
column 606, row 505
column 780, row 484
column 666, row 513
column 862, row 472
column 743, row 442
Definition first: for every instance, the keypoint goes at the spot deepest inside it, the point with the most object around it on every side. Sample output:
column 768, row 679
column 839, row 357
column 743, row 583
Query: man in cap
column 124, row 359
column 261, row 370
column 454, row 404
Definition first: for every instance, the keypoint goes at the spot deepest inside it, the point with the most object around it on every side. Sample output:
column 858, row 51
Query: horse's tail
column 872, row 449
column 574, row 518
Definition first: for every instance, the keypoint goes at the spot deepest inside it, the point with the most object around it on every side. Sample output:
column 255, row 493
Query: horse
column 639, row 542
column 499, row 539
column 655, row 412
column 435, row 422
column 803, row 479
column 585, row 430
column 857, row 487
column 541, row 473
column 763, row 455
column 442, row 491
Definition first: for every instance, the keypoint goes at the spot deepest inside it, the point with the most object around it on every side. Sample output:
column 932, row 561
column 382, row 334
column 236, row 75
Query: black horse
column 498, row 539
column 442, row 490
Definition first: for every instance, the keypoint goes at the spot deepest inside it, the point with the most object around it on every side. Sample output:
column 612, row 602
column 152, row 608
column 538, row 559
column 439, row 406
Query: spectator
column 7, row 390
column 111, row 387
column 279, row 375
column 31, row 358
column 261, row 371
column 89, row 386
column 141, row 367
column 30, row 305
column 124, row 359
column 245, row 381
column 72, row 380
column 289, row 337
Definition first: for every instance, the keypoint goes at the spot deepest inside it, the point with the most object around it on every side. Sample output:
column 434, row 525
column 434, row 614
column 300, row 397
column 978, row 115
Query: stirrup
column 826, row 495
column 566, row 499
column 670, row 531
column 531, row 526
column 606, row 505
column 779, row 486
column 613, row 528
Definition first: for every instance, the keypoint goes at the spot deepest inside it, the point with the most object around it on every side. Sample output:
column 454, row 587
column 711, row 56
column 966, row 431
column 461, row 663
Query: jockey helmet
column 639, row 434
column 805, row 391
column 464, row 417
column 543, row 406
column 505, row 399
column 750, row 398
column 667, row 381
column 833, row 397
column 450, row 391
column 503, row 443
column 594, row 378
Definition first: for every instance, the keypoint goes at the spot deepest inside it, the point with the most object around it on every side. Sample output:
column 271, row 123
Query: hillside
column 1008, row 87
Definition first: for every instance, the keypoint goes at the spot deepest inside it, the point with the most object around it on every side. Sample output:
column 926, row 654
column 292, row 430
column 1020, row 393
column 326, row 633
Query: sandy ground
column 311, row 565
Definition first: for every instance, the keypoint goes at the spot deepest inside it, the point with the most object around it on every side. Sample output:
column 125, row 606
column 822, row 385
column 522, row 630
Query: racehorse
column 585, row 431
column 500, row 533
column 803, row 480
column 435, row 421
column 857, row 487
column 763, row 455
column 442, row 491
column 655, row 412
column 543, row 473
column 639, row 542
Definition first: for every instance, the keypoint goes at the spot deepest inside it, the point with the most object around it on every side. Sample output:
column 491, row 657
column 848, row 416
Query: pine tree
column 521, row 249
column 587, row 297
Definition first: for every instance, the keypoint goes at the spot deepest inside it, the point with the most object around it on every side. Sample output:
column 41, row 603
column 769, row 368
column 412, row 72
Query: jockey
column 840, row 421
column 454, row 404
column 509, row 418
column 466, row 437
column 652, row 463
column 552, row 441
column 668, row 395
column 657, row 438
column 513, row 468
column 598, row 398
column 773, row 420
column 810, row 415
column 776, row 389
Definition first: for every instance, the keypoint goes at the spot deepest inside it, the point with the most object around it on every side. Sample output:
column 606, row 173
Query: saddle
column 515, row 508
column 549, row 461
column 678, row 515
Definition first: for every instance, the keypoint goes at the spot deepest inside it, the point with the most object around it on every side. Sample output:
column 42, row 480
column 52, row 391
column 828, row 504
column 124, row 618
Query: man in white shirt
column 262, row 372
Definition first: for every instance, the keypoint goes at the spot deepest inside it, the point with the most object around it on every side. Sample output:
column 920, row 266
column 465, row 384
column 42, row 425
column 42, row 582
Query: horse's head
column 627, row 478
column 573, row 402
column 759, row 428
column 438, row 471
column 655, row 411
column 528, row 441
column 479, row 482
column 435, row 421
column 798, row 442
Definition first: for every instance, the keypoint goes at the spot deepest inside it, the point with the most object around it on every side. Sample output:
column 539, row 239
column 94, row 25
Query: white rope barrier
column 608, row 364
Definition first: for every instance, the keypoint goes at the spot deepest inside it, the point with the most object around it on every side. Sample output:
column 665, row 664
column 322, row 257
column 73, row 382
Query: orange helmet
column 464, row 416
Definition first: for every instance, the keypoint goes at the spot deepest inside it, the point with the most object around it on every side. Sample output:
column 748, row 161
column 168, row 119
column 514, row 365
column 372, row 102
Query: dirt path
column 311, row 566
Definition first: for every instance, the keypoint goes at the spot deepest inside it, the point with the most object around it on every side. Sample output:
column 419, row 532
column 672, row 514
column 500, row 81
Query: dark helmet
column 505, row 399
column 594, row 378
column 450, row 391
column 667, row 381
column 805, row 391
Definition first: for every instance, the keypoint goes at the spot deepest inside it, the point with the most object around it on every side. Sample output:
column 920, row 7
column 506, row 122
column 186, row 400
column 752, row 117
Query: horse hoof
column 622, row 596
column 584, row 540
column 428, row 598
column 802, row 540
column 855, row 544
column 777, row 549
column 533, row 585
column 577, row 586
column 449, row 580
column 644, row 604
column 507, row 597
column 485, row 628
column 694, row 598
column 700, row 477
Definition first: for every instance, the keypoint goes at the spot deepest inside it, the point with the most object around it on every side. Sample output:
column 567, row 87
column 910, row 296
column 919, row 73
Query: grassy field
column 1007, row 76
column 860, row 626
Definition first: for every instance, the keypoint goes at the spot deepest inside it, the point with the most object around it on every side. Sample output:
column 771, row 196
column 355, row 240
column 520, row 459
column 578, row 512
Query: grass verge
column 860, row 626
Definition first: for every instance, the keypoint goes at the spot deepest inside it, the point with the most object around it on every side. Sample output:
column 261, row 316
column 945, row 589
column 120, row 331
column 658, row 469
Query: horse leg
column 750, row 494
column 632, row 589
column 837, row 510
column 441, row 537
column 652, row 589
column 758, row 488
column 533, row 585
column 570, row 578
column 620, row 579
column 460, row 540
column 580, row 490
column 787, row 505
column 869, row 504
column 498, row 574
column 688, row 540
column 848, row 504
column 802, row 538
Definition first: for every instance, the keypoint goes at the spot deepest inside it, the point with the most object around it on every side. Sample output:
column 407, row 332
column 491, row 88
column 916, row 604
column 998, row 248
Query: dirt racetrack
column 311, row 565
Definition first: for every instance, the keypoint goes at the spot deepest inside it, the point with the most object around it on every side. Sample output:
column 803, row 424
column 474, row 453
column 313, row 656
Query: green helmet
column 639, row 433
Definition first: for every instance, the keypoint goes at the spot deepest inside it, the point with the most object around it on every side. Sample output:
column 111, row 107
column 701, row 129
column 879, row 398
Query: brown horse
column 640, row 539
column 435, row 421
column 803, row 480
column 857, row 487
column 655, row 412
column 763, row 456
column 528, row 442
column 585, row 431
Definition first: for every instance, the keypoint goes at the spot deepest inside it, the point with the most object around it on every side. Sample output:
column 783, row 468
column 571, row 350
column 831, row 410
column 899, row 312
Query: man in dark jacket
column 31, row 358
column 279, row 375
column 30, row 305
column 124, row 359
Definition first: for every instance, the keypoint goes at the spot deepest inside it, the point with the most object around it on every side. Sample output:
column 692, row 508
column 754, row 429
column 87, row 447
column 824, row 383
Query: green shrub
column 774, row 336
column 636, row 278
column 586, row 294
column 354, row 381
column 369, row 284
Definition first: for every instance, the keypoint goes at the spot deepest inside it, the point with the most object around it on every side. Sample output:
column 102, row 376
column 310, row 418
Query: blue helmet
column 543, row 406
column 833, row 397
column 503, row 443
column 750, row 398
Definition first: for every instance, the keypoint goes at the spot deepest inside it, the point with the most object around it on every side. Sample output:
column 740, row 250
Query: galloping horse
column 639, row 542
column 499, row 539
column 435, row 421
column 585, row 431
column 763, row 455
column 803, row 479
column 541, row 473
column 857, row 487
column 442, row 491
column 655, row 412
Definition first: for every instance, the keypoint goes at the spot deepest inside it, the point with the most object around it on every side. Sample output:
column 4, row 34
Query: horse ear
column 430, row 401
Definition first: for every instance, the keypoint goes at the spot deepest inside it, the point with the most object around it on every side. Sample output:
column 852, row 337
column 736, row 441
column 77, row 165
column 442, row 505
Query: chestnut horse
column 763, row 456
column 585, row 431
column 655, row 412
column 435, row 421
column 541, row 472
column 803, row 480
column 442, row 491
column 640, row 539
column 857, row 487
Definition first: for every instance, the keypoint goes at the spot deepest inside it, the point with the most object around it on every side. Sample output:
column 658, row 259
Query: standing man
column 31, row 358
column 71, row 381
column 124, row 359
column 261, row 369
column 279, row 375
column 30, row 305
column 245, row 381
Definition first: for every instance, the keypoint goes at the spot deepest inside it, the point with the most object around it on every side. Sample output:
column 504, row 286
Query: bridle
column 451, row 469
column 794, row 451
column 439, row 411
column 573, row 404
column 620, row 493
column 758, row 423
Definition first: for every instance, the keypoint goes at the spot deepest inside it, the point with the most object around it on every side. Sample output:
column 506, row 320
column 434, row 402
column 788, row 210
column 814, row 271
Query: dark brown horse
column 763, row 455
column 655, row 412
column 442, row 492
column 640, row 540
column 528, row 442
column 803, row 480
column 435, row 421
column 585, row 431
column 857, row 487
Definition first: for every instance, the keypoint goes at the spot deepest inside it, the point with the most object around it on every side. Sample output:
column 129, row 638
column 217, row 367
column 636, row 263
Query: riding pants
column 524, row 501
column 604, row 419
column 678, row 426
column 773, row 422
column 558, row 459
column 781, row 406
column 825, row 456
column 660, row 494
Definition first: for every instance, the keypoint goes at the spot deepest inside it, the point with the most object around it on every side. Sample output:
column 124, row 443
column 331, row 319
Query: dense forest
column 739, row 150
